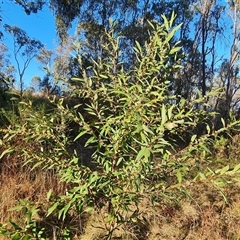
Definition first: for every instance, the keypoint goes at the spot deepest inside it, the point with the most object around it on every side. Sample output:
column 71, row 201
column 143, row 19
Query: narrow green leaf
column 120, row 160
column 103, row 76
column 179, row 176
column 16, row 208
column 202, row 176
column 224, row 170
column 138, row 46
column 16, row 236
column 236, row 168
column 49, row 194
column 146, row 129
column 36, row 165
column 169, row 36
column 6, row 152
column 140, row 154
column 205, row 148
column 63, row 212
column 166, row 23
column 93, row 177
column 193, row 137
column 163, row 115
column 174, row 50
column 80, row 135
column 223, row 122
column 27, row 237
column 170, row 112
column 15, row 226
column 171, row 21
column 90, row 140
column 52, row 208
column 208, row 129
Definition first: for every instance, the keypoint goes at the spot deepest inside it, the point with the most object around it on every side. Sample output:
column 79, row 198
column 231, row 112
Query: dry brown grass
column 205, row 216
column 18, row 182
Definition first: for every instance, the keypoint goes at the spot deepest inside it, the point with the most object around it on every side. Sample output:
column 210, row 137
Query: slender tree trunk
column 203, row 56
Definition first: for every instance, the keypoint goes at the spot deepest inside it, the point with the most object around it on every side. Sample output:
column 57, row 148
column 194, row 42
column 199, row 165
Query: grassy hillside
column 190, row 211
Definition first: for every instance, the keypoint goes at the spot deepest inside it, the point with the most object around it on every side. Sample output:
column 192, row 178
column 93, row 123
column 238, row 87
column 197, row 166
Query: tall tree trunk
column 203, row 80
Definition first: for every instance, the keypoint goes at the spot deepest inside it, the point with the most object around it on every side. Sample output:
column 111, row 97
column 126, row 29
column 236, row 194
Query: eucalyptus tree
column 31, row 6
column 57, row 66
column 35, row 83
column 208, row 30
column 7, row 70
column 233, row 81
column 131, row 19
column 229, row 69
column 198, row 34
column 25, row 49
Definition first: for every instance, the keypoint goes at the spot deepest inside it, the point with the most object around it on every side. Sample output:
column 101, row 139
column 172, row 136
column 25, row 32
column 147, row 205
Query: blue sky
column 40, row 26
